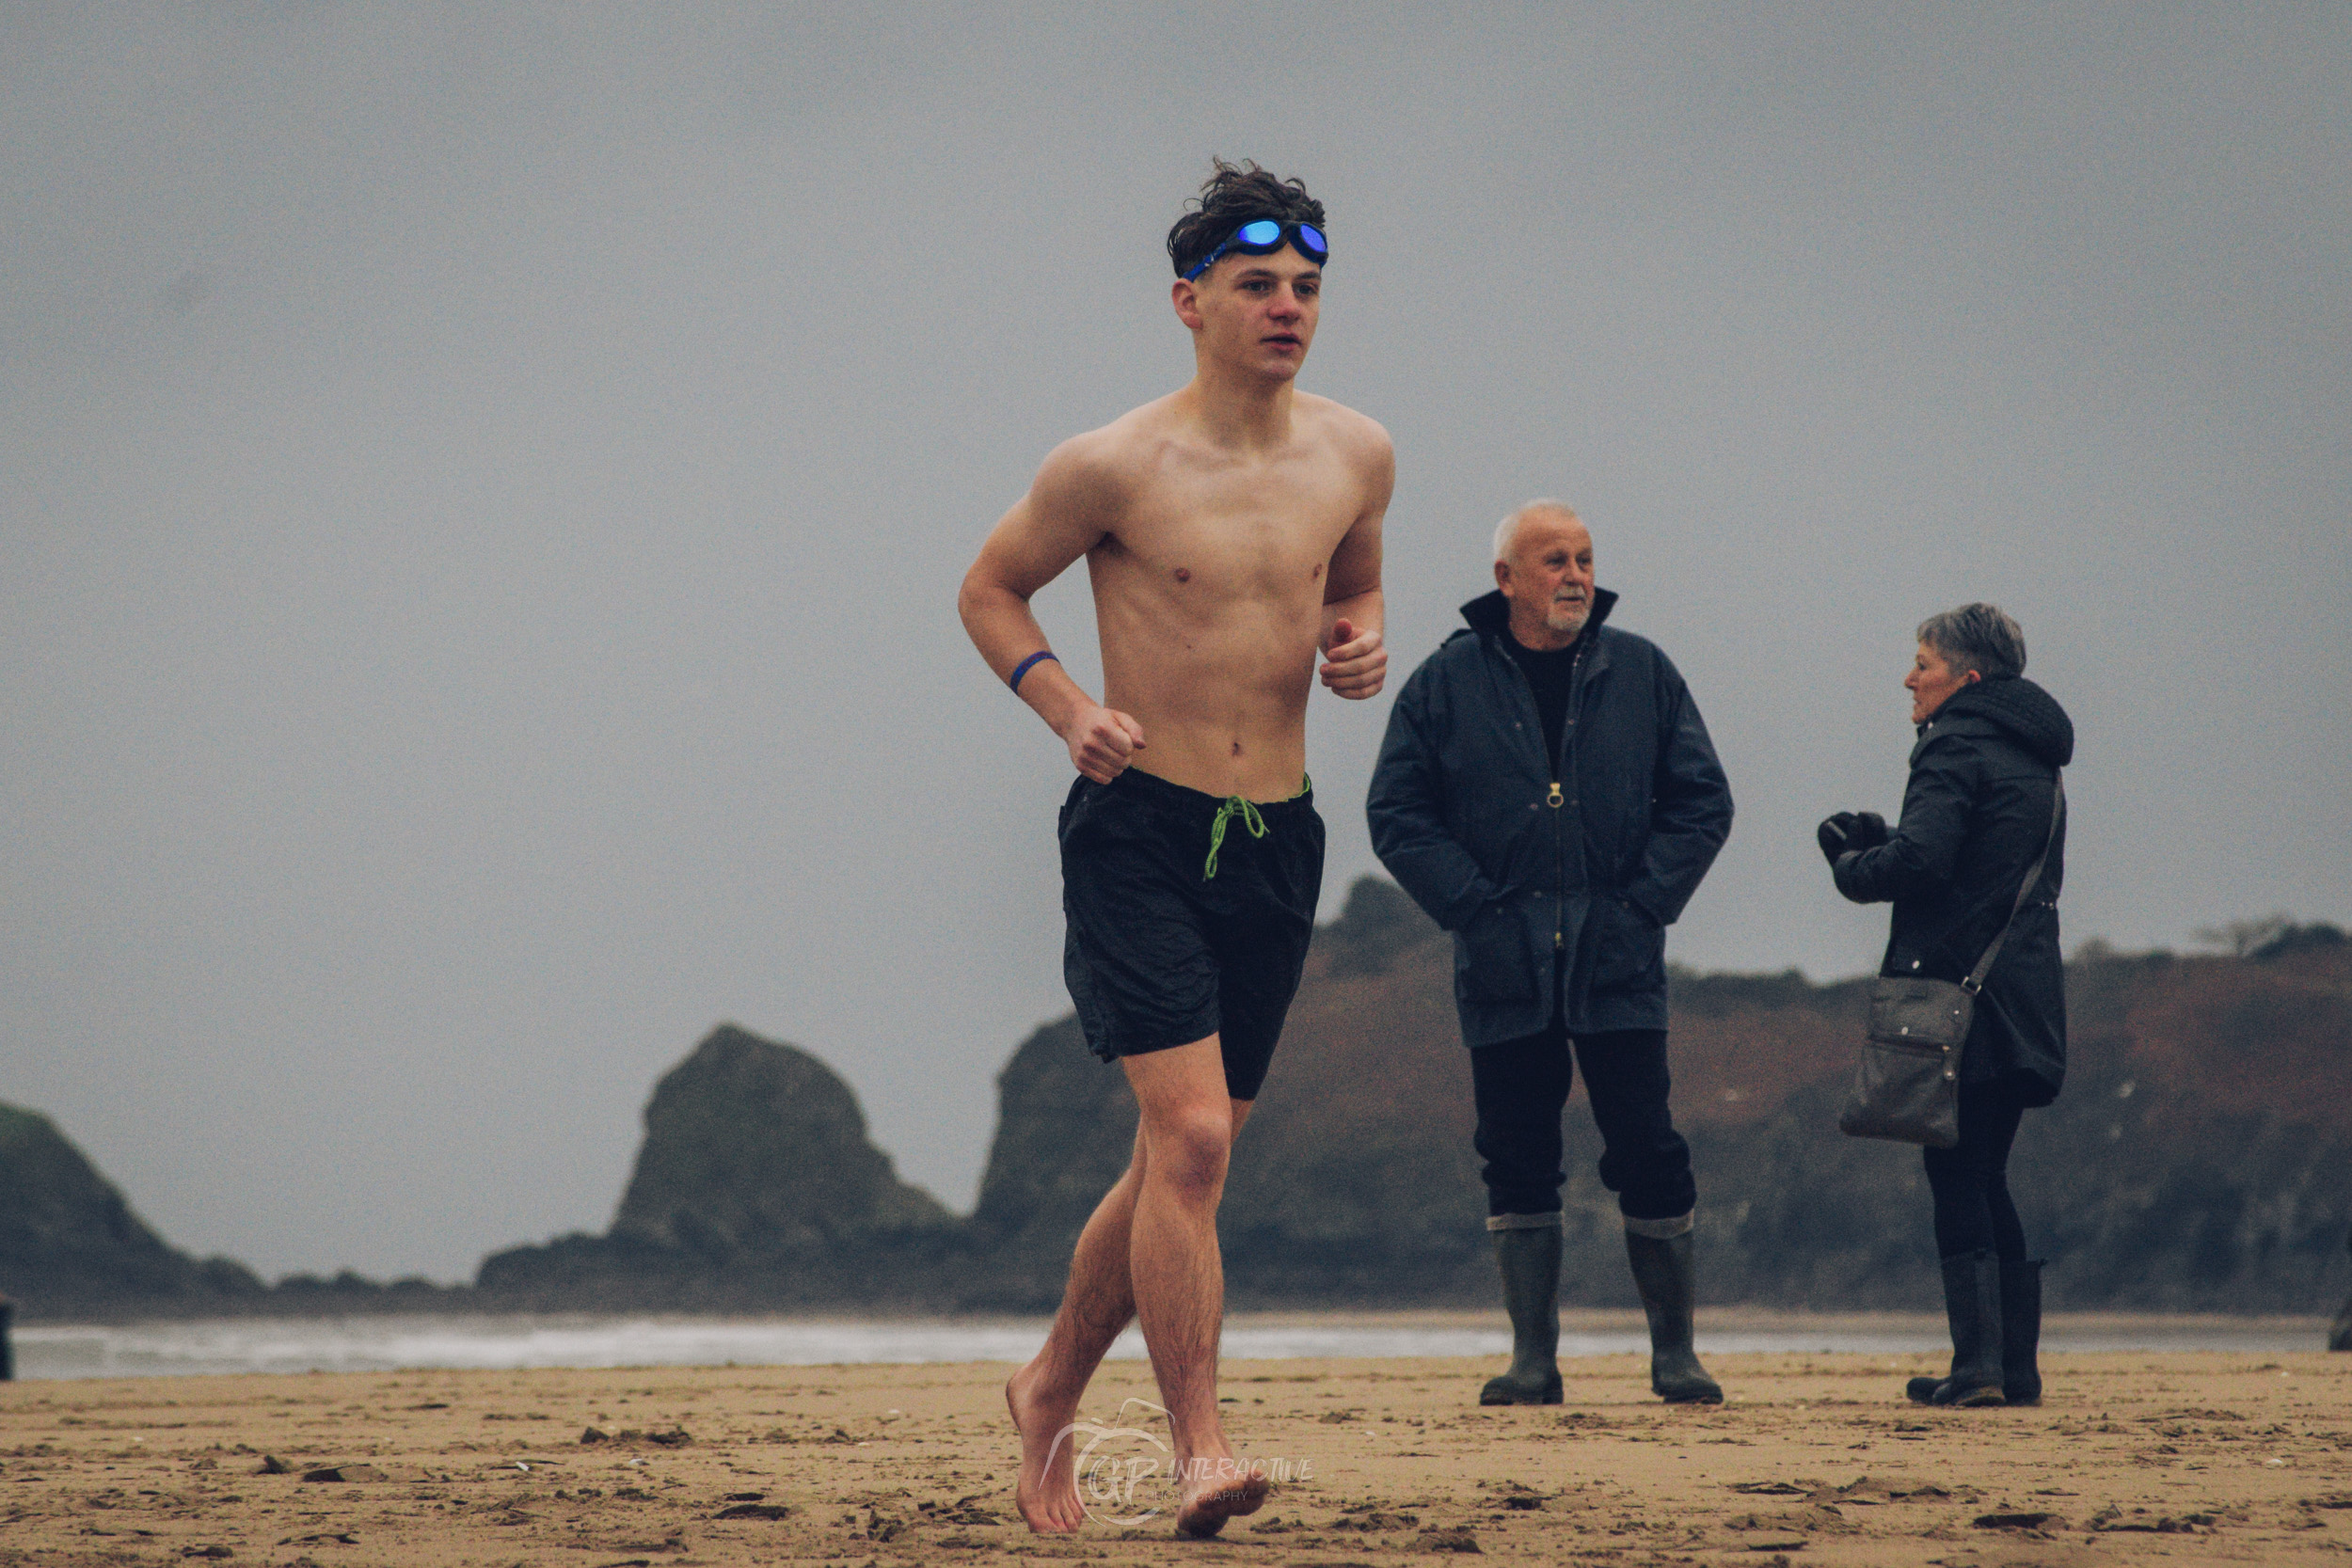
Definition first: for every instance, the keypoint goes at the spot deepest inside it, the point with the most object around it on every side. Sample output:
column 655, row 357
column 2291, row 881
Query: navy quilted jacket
column 1535, row 882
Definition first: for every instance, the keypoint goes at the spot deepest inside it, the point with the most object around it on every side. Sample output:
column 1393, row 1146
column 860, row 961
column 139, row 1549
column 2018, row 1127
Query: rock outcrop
column 1350, row 1182
column 1065, row 1123
column 70, row 1243
column 756, row 1185
column 752, row 1147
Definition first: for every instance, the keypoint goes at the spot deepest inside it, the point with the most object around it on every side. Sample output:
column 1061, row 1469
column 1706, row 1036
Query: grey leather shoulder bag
column 1906, row 1087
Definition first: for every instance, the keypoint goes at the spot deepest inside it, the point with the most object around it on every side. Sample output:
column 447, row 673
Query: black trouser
column 1970, row 1181
column 1521, row 1086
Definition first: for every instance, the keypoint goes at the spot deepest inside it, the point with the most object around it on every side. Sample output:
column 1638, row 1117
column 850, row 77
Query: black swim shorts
column 1179, row 930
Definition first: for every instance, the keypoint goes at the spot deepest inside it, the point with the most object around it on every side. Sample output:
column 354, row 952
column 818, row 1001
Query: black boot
column 2339, row 1335
column 2021, row 1330
column 1662, row 1274
column 1531, row 1294
column 1972, row 1304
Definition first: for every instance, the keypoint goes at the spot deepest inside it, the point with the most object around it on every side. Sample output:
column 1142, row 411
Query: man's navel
column 1184, row 574
column 1236, row 748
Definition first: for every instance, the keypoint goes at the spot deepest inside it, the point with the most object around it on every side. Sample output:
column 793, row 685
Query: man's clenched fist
column 1103, row 742
column 1354, row 666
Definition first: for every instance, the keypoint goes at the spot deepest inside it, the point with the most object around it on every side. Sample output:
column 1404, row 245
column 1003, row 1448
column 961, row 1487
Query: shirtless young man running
column 1230, row 530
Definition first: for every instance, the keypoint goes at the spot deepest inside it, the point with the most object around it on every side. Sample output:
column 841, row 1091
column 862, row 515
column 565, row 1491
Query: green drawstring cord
column 1231, row 807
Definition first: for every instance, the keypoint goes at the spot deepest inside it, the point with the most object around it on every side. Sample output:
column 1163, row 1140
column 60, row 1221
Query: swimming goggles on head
column 1263, row 236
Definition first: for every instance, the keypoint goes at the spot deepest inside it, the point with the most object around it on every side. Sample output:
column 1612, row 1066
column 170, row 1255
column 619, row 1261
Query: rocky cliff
column 2200, row 1158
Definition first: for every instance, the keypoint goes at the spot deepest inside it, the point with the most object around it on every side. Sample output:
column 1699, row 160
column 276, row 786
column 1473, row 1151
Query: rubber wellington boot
column 1972, row 1305
column 1529, row 1257
column 1663, row 1273
column 2021, row 1330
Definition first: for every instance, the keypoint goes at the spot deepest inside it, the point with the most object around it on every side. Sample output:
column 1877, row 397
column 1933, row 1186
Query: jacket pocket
column 1492, row 959
column 1629, row 947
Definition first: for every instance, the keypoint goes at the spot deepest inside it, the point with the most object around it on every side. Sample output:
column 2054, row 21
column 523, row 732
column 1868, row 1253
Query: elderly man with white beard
column 1547, row 792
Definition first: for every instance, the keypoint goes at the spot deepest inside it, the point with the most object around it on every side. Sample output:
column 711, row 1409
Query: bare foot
column 1047, row 1493
column 1217, row 1487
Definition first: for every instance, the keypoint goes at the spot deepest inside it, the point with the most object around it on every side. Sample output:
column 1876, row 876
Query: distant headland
column 2201, row 1160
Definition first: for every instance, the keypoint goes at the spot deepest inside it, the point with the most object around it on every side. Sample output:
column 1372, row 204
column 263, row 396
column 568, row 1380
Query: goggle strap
column 1293, row 235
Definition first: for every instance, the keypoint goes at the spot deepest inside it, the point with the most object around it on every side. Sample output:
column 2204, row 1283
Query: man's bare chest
column 1248, row 537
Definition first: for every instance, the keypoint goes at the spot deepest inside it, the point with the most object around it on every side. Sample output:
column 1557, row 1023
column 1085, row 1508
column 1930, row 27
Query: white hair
column 1507, row 531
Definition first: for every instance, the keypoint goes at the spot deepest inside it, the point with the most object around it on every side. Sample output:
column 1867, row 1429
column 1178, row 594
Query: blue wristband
column 1028, row 664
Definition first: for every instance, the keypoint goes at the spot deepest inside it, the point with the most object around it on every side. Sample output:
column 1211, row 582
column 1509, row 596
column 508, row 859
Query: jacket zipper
column 1555, row 798
column 1560, row 867
column 1556, row 801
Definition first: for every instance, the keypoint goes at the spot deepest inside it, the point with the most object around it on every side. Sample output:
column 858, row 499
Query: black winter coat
column 1975, row 815
column 1533, row 881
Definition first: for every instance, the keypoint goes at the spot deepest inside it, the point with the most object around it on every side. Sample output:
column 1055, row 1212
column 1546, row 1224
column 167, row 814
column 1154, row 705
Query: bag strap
column 1975, row 982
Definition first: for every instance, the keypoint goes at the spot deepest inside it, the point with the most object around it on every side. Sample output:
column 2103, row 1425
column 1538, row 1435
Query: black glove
column 1866, row 831
column 1835, row 835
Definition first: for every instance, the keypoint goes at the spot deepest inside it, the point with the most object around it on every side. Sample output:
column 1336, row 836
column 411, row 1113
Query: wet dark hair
column 1234, row 195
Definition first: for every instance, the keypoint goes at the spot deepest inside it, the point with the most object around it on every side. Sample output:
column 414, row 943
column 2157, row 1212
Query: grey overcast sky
column 484, row 489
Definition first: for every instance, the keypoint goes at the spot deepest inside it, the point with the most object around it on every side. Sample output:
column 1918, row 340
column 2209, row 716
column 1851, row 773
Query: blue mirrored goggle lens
column 1265, row 234
column 1310, row 240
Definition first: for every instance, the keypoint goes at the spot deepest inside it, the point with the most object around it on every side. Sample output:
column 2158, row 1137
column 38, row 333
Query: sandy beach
column 2135, row 1456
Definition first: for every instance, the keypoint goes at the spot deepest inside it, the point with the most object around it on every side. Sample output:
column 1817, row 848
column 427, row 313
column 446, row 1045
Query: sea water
column 398, row 1342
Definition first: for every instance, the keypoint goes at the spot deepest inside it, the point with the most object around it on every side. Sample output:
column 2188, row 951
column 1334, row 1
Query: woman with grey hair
column 1981, row 806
